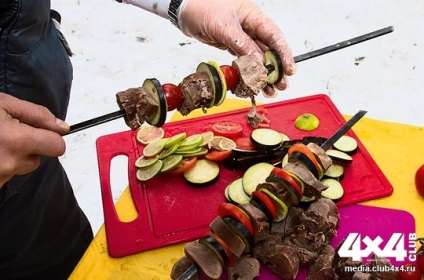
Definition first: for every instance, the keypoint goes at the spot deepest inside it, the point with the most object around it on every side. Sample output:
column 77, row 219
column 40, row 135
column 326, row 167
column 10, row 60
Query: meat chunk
column 220, row 228
column 321, row 155
column 137, row 104
column 245, row 268
column 380, row 262
column 197, row 93
column 259, row 221
column 253, row 118
column 361, row 276
column 205, row 258
column 322, row 268
column 253, row 76
column 181, row 266
column 281, row 259
column 287, row 226
column 313, row 186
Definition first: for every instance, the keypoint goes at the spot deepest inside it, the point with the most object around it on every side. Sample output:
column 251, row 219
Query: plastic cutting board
column 171, row 212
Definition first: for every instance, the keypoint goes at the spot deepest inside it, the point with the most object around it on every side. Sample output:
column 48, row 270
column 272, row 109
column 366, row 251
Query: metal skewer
column 299, row 58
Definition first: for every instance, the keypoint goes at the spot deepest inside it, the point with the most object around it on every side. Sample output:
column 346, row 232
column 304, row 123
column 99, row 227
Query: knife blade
column 342, row 130
column 347, row 43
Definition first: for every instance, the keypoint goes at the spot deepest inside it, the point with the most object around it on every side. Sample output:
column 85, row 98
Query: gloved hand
column 28, row 131
column 238, row 26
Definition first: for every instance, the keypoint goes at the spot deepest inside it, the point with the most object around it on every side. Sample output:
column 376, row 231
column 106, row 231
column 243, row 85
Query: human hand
column 28, row 131
column 238, row 26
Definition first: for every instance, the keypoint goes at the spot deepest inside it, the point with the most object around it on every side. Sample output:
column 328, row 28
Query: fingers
column 32, row 114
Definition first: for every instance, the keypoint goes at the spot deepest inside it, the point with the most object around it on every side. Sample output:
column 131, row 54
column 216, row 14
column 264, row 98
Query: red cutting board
column 171, row 212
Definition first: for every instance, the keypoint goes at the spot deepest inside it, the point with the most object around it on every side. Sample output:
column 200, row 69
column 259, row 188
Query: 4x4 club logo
column 397, row 247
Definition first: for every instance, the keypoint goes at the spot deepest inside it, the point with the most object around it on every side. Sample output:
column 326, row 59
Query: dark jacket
column 43, row 232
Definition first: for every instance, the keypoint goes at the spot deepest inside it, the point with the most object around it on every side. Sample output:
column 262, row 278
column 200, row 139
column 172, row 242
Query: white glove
column 238, row 26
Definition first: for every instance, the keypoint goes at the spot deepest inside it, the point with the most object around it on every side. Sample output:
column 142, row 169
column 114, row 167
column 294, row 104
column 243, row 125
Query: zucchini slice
column 266, row 138
column 335, row 189
column 220, row 97
column 282, row 208
column 275, row 73
column 236, row 192
column 346, row 144
column 205, row 172
column 335, row 171
column 255, row 175
column 154, row 88
column 214, row 78
column 339, row 156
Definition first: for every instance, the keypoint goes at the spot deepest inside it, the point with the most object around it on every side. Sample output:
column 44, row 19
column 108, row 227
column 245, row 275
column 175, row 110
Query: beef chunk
column 137, row 104
column 197, row 93
column 259, row 221
column 322, row 268
column 253, row 118
column 286, row 227
column 253, row 76
column 205, row 258
column 382, row 275
column 245, row 268
column 220, row 228
column 181, row 266
column 281, row 259
column 361, row 276
column 266, row 245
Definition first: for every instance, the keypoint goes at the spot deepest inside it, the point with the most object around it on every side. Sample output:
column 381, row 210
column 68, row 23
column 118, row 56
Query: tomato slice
column 229, row 253
column 216, row 155
column 267, row 201
column 231, row 76
column 244, row 143
column 185, row 165
column 173, row 96
column 227, row 129
column 228, row 209
column 286, row 176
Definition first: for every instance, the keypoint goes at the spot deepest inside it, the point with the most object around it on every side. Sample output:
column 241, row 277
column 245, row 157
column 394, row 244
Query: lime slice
column 148, row 134
column 166, row 152
column 188, row 148
column 143, row 161
column 171, row 162
column 306, row 121
column 144, row 174
column 207, row 136
column 202, row 151
column 195, row 139
column 154, row 148
column 188, row 151
column 226, row 144
column 175, row 139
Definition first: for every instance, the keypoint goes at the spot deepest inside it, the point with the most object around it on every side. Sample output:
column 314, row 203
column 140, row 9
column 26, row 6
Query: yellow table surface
column 396, row 148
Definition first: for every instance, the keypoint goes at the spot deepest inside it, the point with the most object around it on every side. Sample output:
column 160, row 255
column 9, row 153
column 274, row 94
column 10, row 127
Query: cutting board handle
column 119, row 231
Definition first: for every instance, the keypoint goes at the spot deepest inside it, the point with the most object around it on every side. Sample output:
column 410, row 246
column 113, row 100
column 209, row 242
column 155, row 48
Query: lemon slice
column 171, row 162
column 195, row 139
column 145, row 174
column 226, row 144
column 154, row 148
column 214, row 142
column 142, row 161
column 148, row 134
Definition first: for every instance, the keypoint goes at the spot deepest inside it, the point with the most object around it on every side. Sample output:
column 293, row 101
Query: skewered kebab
column 270, row 204
column 136, row 106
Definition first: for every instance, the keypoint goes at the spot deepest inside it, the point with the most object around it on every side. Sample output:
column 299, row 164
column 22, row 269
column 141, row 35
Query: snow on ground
column 118, row 46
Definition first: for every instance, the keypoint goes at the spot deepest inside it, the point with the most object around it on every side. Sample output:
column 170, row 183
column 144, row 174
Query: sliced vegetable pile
column 194, row 156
